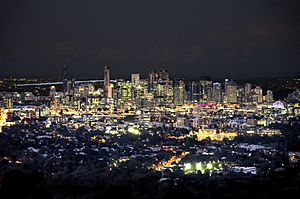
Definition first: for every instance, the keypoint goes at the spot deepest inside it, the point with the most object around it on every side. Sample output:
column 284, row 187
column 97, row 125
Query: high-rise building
column 217, row 92
column 110, row 91
column 65, row 78
column 258, row 95
column 226, row 82
column 194, row 91
column 231, row 91
column 269, row 97
column 248, row 92
column 179, row 92
column 135, row 79
column 106, row 77
column 205, row 90
column 153, row 78
column 163, row 75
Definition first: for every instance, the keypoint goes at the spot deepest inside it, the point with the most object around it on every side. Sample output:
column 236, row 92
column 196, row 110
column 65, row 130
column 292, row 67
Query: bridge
column 60, row 83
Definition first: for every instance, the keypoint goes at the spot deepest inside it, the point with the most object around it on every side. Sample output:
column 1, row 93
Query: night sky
column 189, row 38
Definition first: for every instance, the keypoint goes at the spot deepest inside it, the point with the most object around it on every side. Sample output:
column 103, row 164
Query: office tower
column 163, row 75
column 110, row 90
column 70, row 85
column 106, row 77
column 163, row 92
column 194, row 91
column 257, row 95
column 205, row 90
column 153, row 78
column 135, row 80
column 248, row 92
column 248, row 88
column 64, row 78
column 241, row 97
column 124, row 90
column 226, row 82
column 269, row 97
column 217, row 92
column 179, row 92
column 231, row 91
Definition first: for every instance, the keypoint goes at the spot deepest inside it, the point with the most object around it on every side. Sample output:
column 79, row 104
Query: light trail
column 173, row 159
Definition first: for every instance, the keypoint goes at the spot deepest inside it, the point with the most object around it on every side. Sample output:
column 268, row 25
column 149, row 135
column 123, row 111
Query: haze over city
column 191, row 39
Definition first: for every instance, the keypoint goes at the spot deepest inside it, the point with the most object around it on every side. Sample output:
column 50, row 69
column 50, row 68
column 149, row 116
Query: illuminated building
column 163, row 75
column 179, row 92
column 205, row 90
column 193, row 91
column 8, row 102
column 217, row 92
column 257, row 95
column 248, row 92
column 163, row 92
column 139, row 93
column 124, row 91
column 269, row 97
column 67, row 100
column 52, row 91
column 64, row 78
column 135, row 80
column 231, row 92
column 182, row 122
column 226, row 82
column 153, row 78
column 56, row 103
column 213, row 134
column 106, row 79
column 110, row 90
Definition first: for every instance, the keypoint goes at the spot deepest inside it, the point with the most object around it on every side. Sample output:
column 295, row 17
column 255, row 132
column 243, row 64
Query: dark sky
column 189, row 38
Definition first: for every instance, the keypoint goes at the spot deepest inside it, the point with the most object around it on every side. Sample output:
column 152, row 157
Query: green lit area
column 203, row 167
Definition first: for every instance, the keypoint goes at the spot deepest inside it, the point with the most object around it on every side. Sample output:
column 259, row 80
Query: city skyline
column 149, row 99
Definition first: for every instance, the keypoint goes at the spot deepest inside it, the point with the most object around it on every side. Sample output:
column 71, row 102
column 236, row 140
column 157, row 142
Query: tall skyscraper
column 179, row 92
column 248, row 92
column 194, row 91
column 226, row 82
column 153, row 78
column 217, row 92
column 231, row 91
column 106, row 77
column 205, row 90
column 269, row 97
column 65, row 78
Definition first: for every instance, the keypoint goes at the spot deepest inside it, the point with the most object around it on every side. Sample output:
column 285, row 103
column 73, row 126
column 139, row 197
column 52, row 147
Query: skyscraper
column 231, row 91
column 153, row 78
column 205, row 90
column 269, row 97
column 248, row 92
column 194, row 91
column 179, row 92
column 106, row 77
column 163, row 75
column 135, row 79
column 64, row 78
column 217, row 92
column 258, row 96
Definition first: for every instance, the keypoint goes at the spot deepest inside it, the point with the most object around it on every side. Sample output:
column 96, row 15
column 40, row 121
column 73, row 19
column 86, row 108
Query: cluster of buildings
column 157, row 90
column 173, row 110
